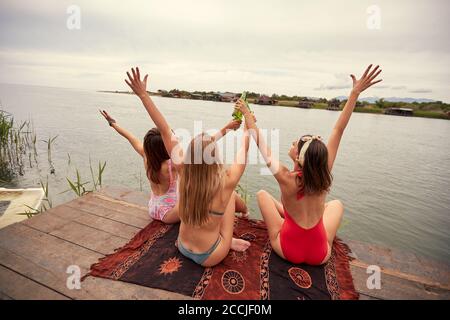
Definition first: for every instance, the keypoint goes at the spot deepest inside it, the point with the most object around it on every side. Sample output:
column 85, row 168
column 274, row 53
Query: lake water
column 392, row 173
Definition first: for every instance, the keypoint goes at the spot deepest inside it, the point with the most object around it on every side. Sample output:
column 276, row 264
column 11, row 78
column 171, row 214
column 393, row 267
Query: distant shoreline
column 367, row 108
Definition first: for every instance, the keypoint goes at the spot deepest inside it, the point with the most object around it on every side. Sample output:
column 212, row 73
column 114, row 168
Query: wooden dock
column 35, row 255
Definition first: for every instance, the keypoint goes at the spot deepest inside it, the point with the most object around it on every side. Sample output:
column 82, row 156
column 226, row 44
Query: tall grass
column 49, row 143
column 45, row 204
column 14, row 143
column 76, row 185
column 80, row 187
column 18, row 145
column 46, row 196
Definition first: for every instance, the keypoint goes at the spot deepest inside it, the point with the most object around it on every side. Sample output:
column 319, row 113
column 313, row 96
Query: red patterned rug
column 151, row 259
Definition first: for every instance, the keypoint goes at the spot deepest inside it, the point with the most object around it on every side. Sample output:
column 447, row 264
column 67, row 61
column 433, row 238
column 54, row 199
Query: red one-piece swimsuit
column 301, row 245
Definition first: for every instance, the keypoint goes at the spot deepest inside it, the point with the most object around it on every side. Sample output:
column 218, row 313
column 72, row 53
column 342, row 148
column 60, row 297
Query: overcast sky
column 268, row 46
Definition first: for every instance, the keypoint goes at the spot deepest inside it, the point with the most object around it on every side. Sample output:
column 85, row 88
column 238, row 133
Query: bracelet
column 111, row 122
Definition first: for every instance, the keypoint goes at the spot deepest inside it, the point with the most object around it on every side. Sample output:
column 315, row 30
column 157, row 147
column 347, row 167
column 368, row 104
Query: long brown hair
column 200, row 180
column 155, row 153
column 316, row 176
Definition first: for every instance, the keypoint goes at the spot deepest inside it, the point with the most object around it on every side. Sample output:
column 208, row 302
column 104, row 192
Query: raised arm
column 171, row 142
column 238, row 167
column 279, row 170
column 135, row 142
column 232, row 125
column 366, row 80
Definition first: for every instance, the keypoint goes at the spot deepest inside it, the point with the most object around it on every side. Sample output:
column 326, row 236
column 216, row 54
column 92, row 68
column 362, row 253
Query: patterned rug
column 151, row 259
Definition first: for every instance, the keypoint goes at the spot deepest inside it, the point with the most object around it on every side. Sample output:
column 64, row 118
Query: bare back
column 201, row 238
column 164, row 178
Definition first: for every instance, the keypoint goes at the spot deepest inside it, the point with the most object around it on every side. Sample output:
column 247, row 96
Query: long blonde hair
column 200, row 180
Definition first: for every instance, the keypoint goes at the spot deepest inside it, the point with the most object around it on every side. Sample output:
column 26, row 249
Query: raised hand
column 108, row 118
column 366, row 80
column 241, row 106
column 134, row 81
column 233, row 125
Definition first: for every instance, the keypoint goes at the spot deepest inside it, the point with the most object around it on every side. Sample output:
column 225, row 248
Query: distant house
column 266, row 100
column 334, row 105
column 305, row 103
column 196, row 96
column 406, row 112
column 228, row 96
column 212, row 97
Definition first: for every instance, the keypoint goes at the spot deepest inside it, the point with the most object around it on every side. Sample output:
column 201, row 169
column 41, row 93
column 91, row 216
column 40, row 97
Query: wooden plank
column 110, row 213
column 109, row 289
column 46, row 222
column 90, row 238
column 81, row 234
column 4, row 296
column 41, row 247
column 17, row 287
column 53, row 219
column 116, row 205
column 60, row 216
column 405, row 276
column 45, row 259
column 394, row 288
column 64, row 212
column 111, row 226
column 403, row 264
column 127, row 195
column 122, row 203
column 363, row 296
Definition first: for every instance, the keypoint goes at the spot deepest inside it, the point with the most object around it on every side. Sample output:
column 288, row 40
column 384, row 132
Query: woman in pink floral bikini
column 160, row 171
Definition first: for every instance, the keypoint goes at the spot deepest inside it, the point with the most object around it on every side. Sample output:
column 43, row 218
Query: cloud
column 380, row 87
column 421, row 91
column 332, row 87
column 398, row 87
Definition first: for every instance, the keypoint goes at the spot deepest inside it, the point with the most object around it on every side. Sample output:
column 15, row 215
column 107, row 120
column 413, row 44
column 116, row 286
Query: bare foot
column 239, row 244
column 245, row 215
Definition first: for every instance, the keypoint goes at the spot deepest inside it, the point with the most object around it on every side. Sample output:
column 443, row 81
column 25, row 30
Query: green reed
column 46, row 203
column 97, row 179
column 49, row 143
column 80, row 187
column 14, row 143
column 77, row 186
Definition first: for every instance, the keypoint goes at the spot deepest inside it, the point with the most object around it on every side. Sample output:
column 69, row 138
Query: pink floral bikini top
column 158, row 206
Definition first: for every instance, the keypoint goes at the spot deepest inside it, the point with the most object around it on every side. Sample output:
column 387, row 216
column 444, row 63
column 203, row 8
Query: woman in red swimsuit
column 303, row 226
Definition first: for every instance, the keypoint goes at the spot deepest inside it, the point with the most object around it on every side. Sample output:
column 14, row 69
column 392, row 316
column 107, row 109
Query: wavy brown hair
column 155, row 154
column 316, row 177
column 200, row 180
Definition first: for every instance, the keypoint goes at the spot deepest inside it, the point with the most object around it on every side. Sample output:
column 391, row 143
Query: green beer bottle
column 237, row 114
